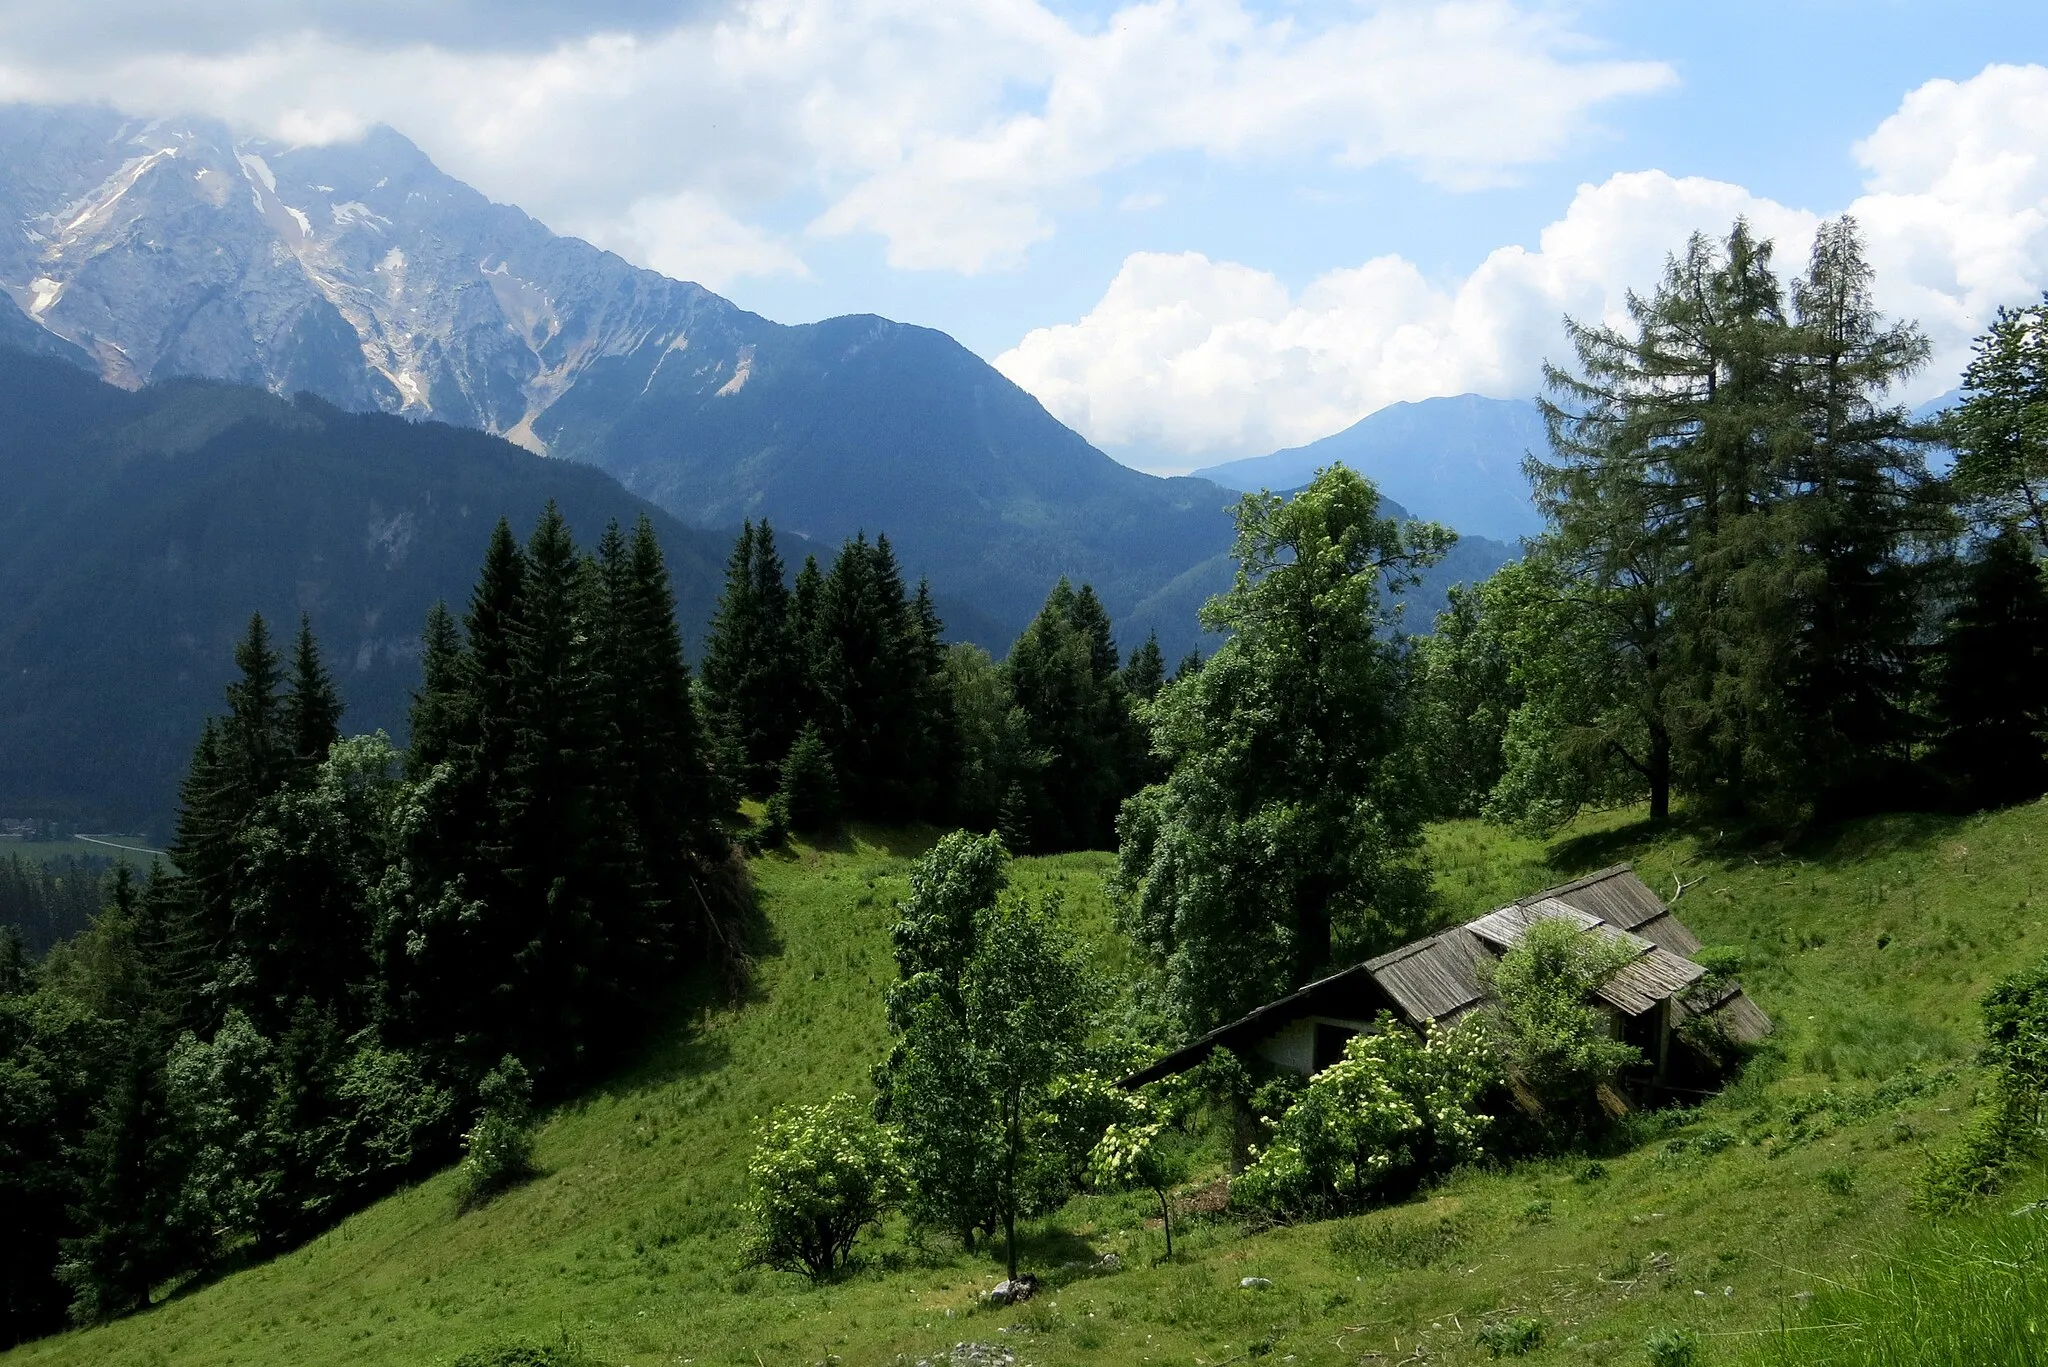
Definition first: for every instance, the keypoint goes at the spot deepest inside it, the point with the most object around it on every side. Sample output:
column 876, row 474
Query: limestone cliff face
column 357, row 271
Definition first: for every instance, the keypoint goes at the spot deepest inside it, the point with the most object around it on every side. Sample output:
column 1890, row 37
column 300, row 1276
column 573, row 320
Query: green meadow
column 1774, row 1221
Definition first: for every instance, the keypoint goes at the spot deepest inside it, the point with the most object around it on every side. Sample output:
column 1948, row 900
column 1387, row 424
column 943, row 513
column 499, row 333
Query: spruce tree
column 870, row 682
column 440, row 720
column 137, row 1227
column 1065, row 681
column 312, row 707
column 562, row 862
column 752, row 685
column 1144, row 674
column 241, row 760
column 661, row 777
column 1991, row 696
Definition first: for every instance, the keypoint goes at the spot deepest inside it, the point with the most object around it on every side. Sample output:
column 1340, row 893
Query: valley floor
column 1870, row 950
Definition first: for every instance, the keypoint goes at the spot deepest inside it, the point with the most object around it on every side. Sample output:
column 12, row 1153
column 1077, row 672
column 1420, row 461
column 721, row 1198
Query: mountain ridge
column 1455, row 460
column 361, row 273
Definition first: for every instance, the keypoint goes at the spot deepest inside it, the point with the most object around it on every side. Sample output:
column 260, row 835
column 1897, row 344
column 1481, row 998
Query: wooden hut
column 1444, row 977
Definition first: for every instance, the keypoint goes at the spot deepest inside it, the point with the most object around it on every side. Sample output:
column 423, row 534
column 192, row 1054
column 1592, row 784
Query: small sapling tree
column 1133, row 1154
column 820, row 1176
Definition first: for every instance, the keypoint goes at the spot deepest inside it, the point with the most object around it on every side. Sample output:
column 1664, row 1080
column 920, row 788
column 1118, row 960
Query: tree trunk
column 1016, row 1141
column 1660, row 773
column 1166, row 1219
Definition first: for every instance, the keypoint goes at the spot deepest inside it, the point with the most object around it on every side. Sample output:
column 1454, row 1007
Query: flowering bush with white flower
column 820, row 1176
column 1397, row 1108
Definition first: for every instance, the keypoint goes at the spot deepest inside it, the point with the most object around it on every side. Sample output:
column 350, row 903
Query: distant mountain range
column 143, row 527
column 361, row 273
column 1457, row 461
column 141, row 530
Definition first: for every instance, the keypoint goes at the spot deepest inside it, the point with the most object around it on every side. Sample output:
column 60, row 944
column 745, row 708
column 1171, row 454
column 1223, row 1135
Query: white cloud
column 689, row 235
column 1193, row 360
column 956, row 132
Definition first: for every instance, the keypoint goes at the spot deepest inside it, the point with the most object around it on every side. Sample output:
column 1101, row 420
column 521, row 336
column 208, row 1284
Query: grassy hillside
column 1870, row 950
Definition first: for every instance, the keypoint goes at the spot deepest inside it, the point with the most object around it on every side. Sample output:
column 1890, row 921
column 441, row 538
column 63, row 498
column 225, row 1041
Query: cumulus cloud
column 957, row 133
column 1189, row 359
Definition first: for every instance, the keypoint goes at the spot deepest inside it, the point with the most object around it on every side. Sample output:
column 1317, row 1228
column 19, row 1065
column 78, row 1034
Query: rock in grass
column 1254, row 1284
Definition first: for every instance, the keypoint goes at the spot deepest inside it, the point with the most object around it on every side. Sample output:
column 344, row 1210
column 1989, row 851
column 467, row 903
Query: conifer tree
column 1866, row 515
column 240, row 761
column 137, row 1226
column 312, row 707
column 557, row 824
column 1064, row 679
column 2000, row 429
column 752, row 684
column 869, row 681
column 440, row 720
column 1991, row 696
column 661, row 778
column 1144, row 674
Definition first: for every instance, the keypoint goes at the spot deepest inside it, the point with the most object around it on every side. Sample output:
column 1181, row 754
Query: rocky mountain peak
column 357, row 271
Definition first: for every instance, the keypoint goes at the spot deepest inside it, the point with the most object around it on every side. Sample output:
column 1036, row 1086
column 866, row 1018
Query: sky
column 1195, row 229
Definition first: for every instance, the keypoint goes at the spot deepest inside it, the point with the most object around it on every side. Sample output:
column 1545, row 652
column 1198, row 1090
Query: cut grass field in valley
column 1869, row 948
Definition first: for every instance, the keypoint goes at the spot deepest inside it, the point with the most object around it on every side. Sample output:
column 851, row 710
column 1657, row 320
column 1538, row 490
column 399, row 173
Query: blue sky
column 1196, row 229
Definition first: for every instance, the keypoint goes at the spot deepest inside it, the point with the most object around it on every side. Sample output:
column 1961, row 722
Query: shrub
column 1549, row 1034
column 1394, row 1110
column 820, row 1176
column 498, row 1150
column 1673, row 1347
column 1511, row 1338
column 2016, row 1053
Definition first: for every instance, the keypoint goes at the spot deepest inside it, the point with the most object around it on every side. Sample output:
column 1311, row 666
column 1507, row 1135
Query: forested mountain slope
column 141, row 530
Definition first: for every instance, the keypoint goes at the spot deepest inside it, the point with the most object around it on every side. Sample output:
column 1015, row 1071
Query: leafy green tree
column 1460, row 697
column 1396, row 1109
column 1028, row 1003
column 1284, row 828
column 55, row 1072
column 820, row 1175
column 2000, row 429
column 313, row 856
column 1991, row 694
column 991, row 1010
column 1586, row 729
column 1551, row 1036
